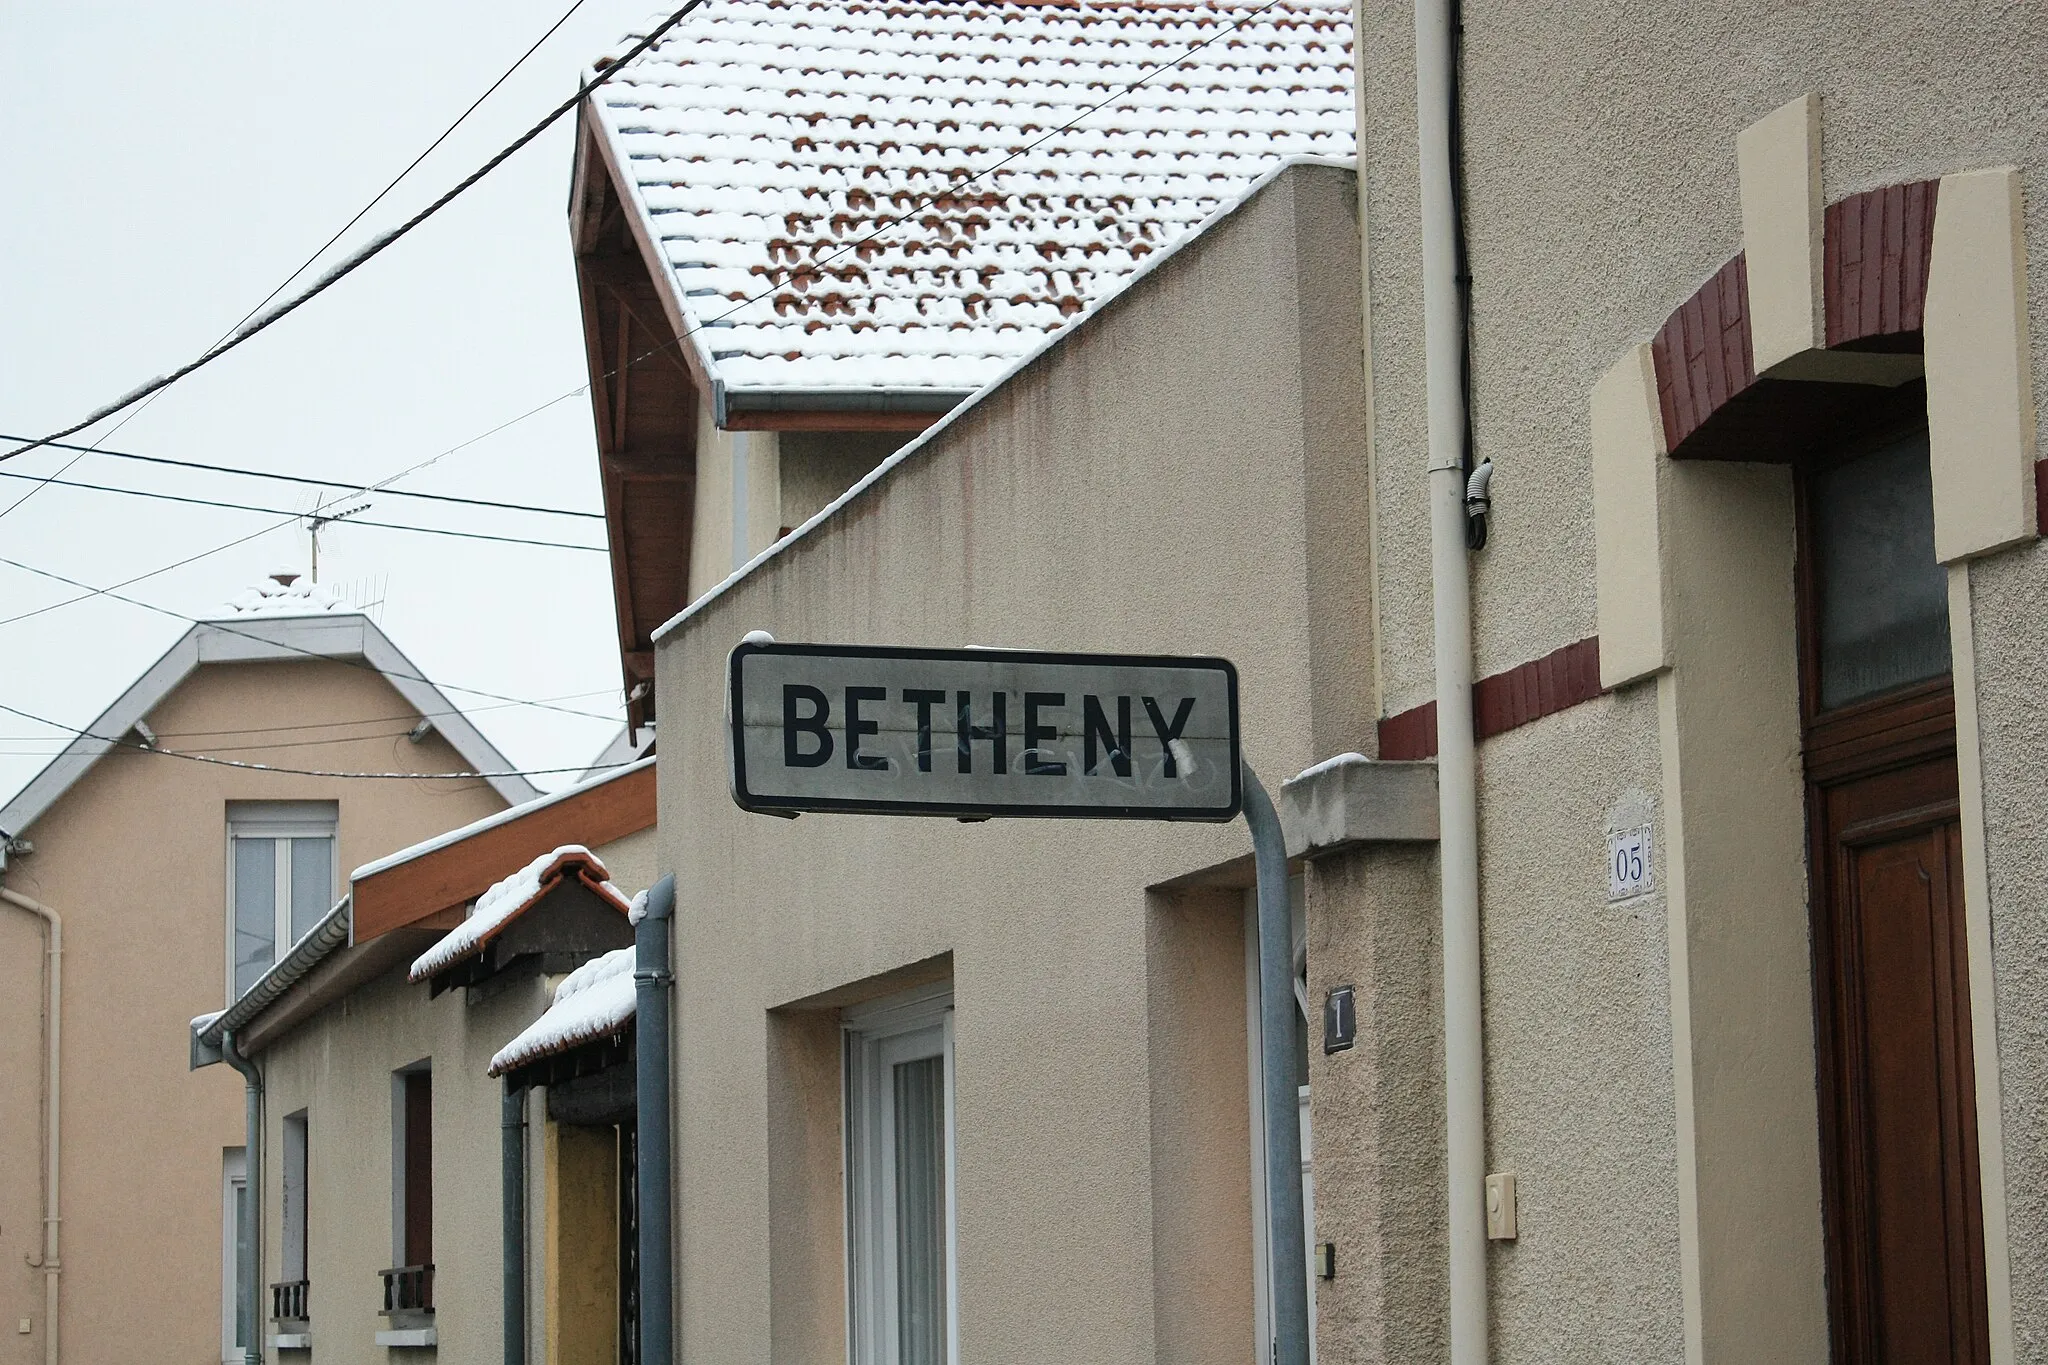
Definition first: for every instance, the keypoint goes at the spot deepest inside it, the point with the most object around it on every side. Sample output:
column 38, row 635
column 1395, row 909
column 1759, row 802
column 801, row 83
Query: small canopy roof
column 497, row 909
column 594, row 1001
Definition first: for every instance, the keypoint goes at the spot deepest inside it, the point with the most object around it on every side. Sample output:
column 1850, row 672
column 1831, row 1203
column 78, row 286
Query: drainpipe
column 53, row 1078
column 652, row 978
column 1451, row 586
column 513, row 1149
column 250, row 1264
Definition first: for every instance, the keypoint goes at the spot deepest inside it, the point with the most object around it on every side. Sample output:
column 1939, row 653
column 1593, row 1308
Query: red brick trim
column 1878, row 245
column 1875, row 252
column 1702, row 353
column 1556, row 682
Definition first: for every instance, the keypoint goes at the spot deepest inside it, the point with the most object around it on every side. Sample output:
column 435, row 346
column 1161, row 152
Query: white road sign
column 982, row 732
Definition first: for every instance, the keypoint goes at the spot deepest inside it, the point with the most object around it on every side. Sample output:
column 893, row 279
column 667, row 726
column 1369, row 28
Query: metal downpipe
column 249, row 1264
column 652, row 979
column 1457, row 782
column 513, row 1155
column 1287, row 1239
column 53, row 1090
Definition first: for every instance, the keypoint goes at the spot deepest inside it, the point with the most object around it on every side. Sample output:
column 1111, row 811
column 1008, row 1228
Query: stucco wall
column 134, row 857
column 338, row 1069
column 1602, row 190
column 1141, row 487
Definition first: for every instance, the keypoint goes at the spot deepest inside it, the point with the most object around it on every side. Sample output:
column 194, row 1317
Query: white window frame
column 278, row 822
column 879, row 1035
column 1262, row 1265
column 233, row 1177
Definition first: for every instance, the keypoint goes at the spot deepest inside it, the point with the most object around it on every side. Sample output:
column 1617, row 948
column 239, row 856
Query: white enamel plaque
column 982, row 732
column 1629, row 872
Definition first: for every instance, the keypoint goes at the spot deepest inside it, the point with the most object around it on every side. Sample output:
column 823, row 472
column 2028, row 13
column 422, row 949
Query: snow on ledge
column 510, row 898
column 593, row 1001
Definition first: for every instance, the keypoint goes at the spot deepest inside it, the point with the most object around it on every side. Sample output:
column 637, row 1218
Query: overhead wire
column 351, row 487
column 356, row 259
column 612, row 69
column 52, row 480
column 227, row 627
column 125, row 743
column 308, row 262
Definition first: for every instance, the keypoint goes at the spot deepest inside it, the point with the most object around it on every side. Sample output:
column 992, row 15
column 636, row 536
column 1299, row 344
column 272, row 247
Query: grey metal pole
column 652, row 978
column 1286, row 1240
column 513, row 1155
column 249, row 1261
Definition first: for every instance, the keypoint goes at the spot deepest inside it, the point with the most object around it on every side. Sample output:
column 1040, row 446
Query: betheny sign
column 982, row 732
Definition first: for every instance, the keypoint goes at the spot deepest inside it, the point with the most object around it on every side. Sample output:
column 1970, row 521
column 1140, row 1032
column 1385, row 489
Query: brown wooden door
column 1905, row 1232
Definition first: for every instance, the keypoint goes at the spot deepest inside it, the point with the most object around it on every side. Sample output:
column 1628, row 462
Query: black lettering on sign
column 857, row 727
column 813, row 724
column 965, row 731
column 924, row 699
column 1096, row 732
column 1035, row 734
column 1169, row 733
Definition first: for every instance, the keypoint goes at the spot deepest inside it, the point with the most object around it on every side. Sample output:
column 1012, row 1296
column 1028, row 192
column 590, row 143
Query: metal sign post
column 982, row 733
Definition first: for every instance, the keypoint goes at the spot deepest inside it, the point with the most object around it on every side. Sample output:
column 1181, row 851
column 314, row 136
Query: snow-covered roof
column 348, row 636
column 592, row 1002
column 765, row 139
column 512, row 897
column 275, row 596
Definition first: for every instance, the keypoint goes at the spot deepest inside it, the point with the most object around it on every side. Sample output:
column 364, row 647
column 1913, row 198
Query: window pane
column 255, row 910
column 312, row 883
column 1883, row 598
column 920, row 1103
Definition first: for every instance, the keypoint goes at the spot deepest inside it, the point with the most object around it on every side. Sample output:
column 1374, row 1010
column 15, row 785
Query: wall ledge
column 1351, row 800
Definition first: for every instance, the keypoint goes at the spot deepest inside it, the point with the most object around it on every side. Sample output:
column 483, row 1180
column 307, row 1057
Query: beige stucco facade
column 335, row 1071
column 134, row 857
column 1650, row 1065
column 1179, row 474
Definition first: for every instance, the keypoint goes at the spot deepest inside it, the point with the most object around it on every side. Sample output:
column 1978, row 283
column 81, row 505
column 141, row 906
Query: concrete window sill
column 407, row 1336
column 291, row 1341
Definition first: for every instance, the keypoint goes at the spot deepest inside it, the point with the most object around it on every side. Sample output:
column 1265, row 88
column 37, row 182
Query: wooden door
column 1905, row 1231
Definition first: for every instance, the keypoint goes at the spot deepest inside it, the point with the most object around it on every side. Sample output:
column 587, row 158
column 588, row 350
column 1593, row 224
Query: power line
column 349, row 486
column 293, row 649
column 688, row 332
column 375, row 200
column 279, row 511
column 302, row 772
column 363, row 254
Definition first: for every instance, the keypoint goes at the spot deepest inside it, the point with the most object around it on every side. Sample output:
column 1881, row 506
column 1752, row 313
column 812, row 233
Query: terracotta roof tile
column 767, row 138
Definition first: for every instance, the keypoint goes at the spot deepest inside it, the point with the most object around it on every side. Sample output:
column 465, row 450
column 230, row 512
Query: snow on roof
column 764, row 138
column 510, row 898
column 593, row 1001
column 275, row 597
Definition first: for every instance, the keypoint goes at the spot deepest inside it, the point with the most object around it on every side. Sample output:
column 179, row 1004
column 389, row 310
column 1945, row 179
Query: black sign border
column 737, row 760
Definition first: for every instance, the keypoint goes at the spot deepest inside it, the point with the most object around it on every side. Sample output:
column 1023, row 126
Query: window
column 288, row 1296
column 899, row 1094
column 1882, row 599
column 235, row 1309
column 280, row 881
column 409, row 1284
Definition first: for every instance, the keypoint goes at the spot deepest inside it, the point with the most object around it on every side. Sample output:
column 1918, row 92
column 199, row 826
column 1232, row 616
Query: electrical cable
column 352, row 489
column 363, row 254
column 307, row 263
column 306, row 772
column 279, row 511
column 225, row 626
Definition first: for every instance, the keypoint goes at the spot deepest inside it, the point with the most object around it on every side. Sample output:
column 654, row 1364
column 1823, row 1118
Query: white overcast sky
column 163, row 167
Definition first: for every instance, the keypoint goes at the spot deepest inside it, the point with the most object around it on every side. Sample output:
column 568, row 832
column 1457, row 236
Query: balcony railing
column 288, row 1301
column 408, row 1289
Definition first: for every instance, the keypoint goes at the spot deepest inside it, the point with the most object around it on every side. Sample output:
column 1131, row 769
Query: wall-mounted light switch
column 26, row 1326
column 1500, row 1206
